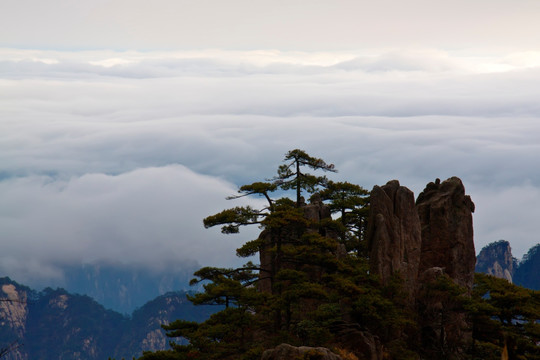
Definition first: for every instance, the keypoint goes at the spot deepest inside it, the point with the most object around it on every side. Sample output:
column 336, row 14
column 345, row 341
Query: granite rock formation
column 362, row 343
column 288, row 352
column 445, row 213
column 266, row 258
column 430, row 245
column 447, row 259
column 394, row 234
column 407, row 238
column 13, row 318
column 496, row 259
column 316, row 210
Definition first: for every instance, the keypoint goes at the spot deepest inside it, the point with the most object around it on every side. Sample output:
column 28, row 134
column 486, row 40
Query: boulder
column 289, row 352
column 363, row 344
column 316, row 210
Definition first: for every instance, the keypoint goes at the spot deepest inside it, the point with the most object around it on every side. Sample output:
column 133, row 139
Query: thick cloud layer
column 150, row 217
column 117, row 156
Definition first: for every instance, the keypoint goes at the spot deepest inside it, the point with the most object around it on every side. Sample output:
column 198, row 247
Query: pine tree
column 290, row 175
column 302, row 262
column 505, row 317
column 351, row 203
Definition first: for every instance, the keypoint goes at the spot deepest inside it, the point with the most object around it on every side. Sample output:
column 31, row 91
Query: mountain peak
column 496, row 259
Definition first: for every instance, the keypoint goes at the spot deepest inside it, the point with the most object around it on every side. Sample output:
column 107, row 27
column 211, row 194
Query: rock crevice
column 408, row 238
column 426, row 243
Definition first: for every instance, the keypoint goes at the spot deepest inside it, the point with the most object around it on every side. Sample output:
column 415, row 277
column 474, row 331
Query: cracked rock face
column 496, row 259
column 445, row 213
column 394, row 234
column 14, row 311
column 426, row 243
column 437, row 232
column 14, row 314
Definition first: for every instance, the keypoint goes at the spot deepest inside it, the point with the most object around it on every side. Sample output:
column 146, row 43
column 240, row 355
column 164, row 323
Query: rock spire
column 428, row 244
column 445, row 213
column 394, row 234
column 496, row 259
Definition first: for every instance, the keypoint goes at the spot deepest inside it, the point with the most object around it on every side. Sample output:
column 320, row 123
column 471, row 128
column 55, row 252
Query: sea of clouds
column 118, row 156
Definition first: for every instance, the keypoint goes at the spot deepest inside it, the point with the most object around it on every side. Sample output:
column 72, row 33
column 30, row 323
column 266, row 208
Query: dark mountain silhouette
column 55, row 324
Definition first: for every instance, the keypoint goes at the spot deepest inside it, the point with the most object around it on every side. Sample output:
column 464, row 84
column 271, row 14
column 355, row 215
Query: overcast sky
column 124, row 123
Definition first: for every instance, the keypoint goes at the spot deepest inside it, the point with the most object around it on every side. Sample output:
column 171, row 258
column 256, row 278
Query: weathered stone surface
column 288, row 352
column 394, row 233
column 436, row 232
column 14, row 314
column 429, row 243
column 445, row 213
column 14, row 308
column 496, row 259
column 363, row 344
column 448, row 254
column 316, row 211
column 368, row 347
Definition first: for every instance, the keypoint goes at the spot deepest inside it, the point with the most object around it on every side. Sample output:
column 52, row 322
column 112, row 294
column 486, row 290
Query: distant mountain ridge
column 121, row 287
column 496, row 259
column 528, row 272
column 55, row 324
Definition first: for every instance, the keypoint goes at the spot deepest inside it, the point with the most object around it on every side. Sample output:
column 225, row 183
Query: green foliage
column 257, row 188
column 228, row 287
column 232, row 219
column 504, row 314
column 290, row 175
column 350, row 201
column 250, row 248
column 441, row 305
column 225, row 335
